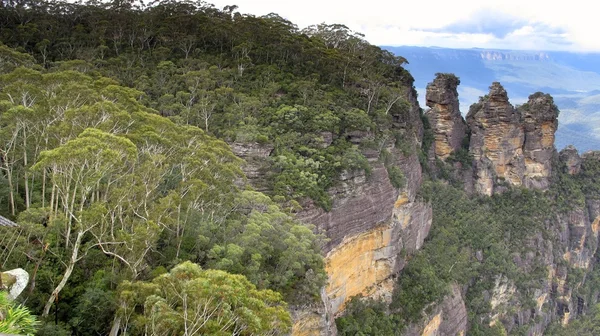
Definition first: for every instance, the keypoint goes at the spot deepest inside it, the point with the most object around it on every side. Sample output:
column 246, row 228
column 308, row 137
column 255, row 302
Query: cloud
column 508, row 24
column 485, row 22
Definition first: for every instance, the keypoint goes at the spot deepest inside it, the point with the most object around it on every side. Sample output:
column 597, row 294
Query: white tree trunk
column 66, row 276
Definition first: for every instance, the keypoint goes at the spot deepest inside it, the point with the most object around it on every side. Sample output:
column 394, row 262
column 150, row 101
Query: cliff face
column 444, row 116
column 511, row 146
column 370, row 224
column 571, row 159
column 567, row 250
column 447, row 318
column 255, row 156
column 369, row 228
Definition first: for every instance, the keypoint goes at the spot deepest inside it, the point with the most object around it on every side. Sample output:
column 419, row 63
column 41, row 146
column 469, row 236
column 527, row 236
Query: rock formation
column 511, row 146
column 14, row 281
column 254, row 155
column 496, row 141
column 571, row 159
column 448, row 318
column 373, row 226
column 539, row 117
column 444, row 116
column 369, row 225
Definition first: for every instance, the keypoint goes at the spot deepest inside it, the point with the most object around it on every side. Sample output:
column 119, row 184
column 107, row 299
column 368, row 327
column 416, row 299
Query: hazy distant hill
column 572, row 78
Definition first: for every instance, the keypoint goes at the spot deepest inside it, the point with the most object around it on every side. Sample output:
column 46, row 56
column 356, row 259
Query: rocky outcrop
column 447, row 124
column 571, row 160
column 496, row 141
column 511, row 147
column 254, row 155
column 359, row 205
column 568, row 252
column 372, row 226
column 14, row 281
column 449, row 318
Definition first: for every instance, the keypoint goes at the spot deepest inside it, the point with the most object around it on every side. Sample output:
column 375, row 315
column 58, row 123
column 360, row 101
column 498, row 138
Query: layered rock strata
column 370, row 224
column 449, row 128
column 255, row 162
column 568, row 254
column 511, row 147
column 540, row 121
column 447, row 318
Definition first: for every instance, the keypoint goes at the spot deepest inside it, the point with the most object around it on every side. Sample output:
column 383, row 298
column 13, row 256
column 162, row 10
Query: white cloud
column 548, row 24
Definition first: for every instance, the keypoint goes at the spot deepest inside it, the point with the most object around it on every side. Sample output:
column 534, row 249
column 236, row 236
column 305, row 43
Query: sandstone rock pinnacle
column 540, row 121
column 571, row 159
column 512, row 147
column 447, row 124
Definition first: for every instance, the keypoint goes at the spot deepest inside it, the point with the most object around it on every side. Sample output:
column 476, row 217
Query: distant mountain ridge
column 573, row 79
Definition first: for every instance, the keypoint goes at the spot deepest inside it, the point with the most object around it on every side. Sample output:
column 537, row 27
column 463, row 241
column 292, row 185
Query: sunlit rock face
column 496, row 141
column 369, row 225
column 447, row 124
column 540, row 121
column 512, row 147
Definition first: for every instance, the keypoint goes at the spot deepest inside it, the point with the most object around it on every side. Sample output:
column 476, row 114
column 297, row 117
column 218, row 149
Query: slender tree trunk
column 27, row 202
column 44, row 188
column 66, row 276
column 52, row 197
column 116, row 325
column 10, row 187
column 35, row 270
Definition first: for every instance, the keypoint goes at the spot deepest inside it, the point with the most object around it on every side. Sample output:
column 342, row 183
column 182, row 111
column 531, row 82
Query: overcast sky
column 508, row 24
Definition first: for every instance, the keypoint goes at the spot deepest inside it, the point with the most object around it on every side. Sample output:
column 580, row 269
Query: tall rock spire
column 444, row 116
column 540, row 122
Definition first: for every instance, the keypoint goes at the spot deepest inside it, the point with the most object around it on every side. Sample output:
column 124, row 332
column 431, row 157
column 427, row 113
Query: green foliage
column 461, row 155
column 206, row 302
column 239, row 77
column 396, row 177
column 367, row 317
column 419, row 286
column 496, row 226
column 111, row 185
column 270, row 248
column 15, row 319
column 427, row 135
column 584, row 326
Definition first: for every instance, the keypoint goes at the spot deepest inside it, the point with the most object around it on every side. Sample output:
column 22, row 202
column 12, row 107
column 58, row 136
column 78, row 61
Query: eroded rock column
column 540, row 122
column 444, row 116
column 497, row 139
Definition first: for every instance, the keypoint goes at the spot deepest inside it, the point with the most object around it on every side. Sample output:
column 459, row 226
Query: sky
column 501, row 24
